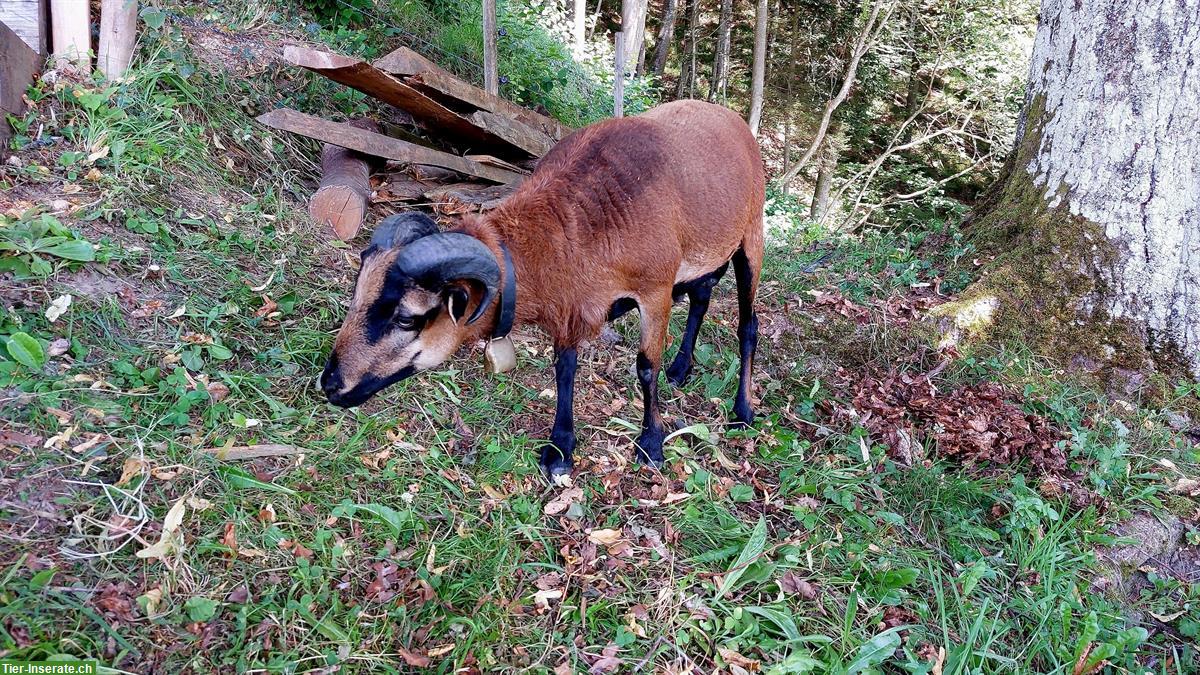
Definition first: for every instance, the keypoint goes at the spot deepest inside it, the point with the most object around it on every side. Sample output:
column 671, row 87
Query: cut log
column 435, row 174
column 439, row 84
column 118, row 33
column 401, row 187
column 378, row 145
column 476, row 195
column 345, row 192
column 376, row 83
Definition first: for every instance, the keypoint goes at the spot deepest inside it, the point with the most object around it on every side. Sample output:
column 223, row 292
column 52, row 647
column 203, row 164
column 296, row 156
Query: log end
column 340, row 207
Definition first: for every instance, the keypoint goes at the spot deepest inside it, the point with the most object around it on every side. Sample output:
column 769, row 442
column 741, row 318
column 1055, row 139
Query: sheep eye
column 405, row 322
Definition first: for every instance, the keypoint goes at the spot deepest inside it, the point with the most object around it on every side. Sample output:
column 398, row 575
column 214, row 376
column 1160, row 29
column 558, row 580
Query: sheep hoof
column 558, row 473
column 649, row 448
column 677, row 376
column 743, row 419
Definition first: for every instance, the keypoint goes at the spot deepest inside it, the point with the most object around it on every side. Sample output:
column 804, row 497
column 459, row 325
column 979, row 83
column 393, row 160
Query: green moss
column 1047, row 279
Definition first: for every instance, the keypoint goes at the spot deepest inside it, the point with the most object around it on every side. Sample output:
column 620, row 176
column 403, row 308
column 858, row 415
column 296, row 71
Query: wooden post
column 619, row 76
column 577, row 23
column 118, row 32
column 69, row 31
column 491, row 75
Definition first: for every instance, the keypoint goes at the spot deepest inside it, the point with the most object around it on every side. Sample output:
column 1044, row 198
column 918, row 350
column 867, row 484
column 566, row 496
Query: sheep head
column 410, row 306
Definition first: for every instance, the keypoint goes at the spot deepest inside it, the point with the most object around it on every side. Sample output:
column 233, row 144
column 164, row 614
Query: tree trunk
column 760, row 66
column 687, row 58
column 578, row 20
column 720, row 71
column 633, row 24
column 666, row 35
column 1097, row 220
column 826, row 168
column 789, row 97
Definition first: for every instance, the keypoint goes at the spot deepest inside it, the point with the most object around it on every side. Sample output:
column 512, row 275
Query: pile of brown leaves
column 976, row 423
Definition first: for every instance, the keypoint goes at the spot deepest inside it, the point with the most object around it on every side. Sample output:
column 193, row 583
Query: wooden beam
column 426, row 76
column 27, row 18
column 379, row 145
column 69, row 29
column 18, row 63
column 405, row 61
column 378, row 84
column 118, row 34
column 491, row 74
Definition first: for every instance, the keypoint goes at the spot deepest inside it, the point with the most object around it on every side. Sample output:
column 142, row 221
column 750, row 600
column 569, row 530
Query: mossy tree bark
column 1096, row 222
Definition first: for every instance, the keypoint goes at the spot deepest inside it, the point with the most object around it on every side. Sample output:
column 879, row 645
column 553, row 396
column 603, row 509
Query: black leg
column 650, row 442
column 747, row 336
column 556, row 458
column 699, row 293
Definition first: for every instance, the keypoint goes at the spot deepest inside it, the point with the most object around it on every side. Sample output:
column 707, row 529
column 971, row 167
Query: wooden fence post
column 70, row 33
column 619, row 76
column 491, row 75
column 118, row 32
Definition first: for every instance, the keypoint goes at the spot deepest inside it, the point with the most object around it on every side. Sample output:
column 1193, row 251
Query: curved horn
column 434, row 260
column 401, row 229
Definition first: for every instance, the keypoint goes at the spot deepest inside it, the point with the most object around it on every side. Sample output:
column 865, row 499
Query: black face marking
column 367, row 387
column 386, row 314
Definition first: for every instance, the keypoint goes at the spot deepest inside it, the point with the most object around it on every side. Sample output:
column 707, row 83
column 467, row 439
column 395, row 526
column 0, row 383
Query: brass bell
column 499, row 355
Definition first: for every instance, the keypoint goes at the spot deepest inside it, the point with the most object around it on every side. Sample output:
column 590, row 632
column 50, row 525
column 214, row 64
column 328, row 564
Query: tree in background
column 1097, row 218
column 761, row 16
column 720, row 71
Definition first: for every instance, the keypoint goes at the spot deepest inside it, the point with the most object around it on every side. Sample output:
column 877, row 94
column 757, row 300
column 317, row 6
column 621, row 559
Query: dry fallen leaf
column 733, row 658
column 563, row 500
column 606, row 537
column 413, row 659
column 133, row 467
column 171, row 537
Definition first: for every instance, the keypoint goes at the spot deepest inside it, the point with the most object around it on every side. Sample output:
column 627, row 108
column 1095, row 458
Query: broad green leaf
column 26, row 350
column 241, row 479
column 219, row 352
column 798, row 663
column 755, row 546
column 78, row 250
column 200, row 609
column 781, row 617
column 41, row 579
column 396, row 521
column 898, row 578
column 877, row 650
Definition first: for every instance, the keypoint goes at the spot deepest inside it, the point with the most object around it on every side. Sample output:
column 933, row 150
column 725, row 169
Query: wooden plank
column 424, row 75
column 379, row 145
column 531, row 139
column 404, row 61
column 374, row 82
column 118, row 33
column 18, row 63
column 26, row 18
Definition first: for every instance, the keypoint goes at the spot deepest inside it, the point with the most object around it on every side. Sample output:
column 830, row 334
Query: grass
column 417, row 529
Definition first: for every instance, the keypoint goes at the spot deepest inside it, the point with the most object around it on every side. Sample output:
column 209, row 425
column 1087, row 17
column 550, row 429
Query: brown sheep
column 631, row 212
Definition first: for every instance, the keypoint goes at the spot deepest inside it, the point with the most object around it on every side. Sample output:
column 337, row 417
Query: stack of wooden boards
column 488, row 143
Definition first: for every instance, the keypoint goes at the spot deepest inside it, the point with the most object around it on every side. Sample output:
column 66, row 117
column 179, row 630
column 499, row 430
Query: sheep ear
column 456, row 304
column 401, row 229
